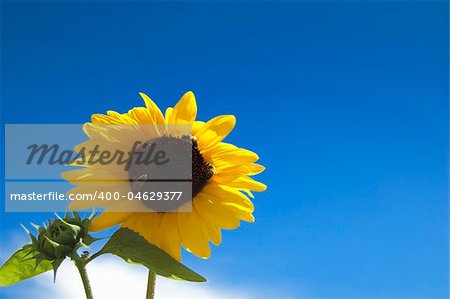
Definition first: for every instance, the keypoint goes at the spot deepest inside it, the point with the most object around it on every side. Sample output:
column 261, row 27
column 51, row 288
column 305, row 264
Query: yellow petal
column 211, row 231
column 99, row 119
column 255, row 169
column 234, row 157
column 147, row 225
column 121, row 118
column 214, row 213
column 229, row 197
column 214, row 131
column 240, row 182
column 192, row 234
column 153, row 109
column 170, row 235
column 185, row 111
column 108, row 220
column 197, row 126
column 168, row 114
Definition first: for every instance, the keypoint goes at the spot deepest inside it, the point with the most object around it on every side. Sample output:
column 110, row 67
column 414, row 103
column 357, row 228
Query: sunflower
column 221, row 175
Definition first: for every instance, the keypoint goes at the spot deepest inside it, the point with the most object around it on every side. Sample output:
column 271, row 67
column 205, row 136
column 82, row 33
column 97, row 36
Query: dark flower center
column 177, row 151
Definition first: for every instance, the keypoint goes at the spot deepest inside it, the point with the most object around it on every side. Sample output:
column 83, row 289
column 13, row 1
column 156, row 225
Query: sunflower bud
column 61, row 238
column 58, row 240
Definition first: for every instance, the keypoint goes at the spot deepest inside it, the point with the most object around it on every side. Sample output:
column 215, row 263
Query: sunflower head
column 218, row 175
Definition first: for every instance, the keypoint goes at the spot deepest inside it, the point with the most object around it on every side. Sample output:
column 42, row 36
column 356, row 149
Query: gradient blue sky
column 345, row 102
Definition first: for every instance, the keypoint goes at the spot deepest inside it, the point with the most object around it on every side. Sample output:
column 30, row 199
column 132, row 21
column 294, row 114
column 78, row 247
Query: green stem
column 80, row 263
column 150, row 285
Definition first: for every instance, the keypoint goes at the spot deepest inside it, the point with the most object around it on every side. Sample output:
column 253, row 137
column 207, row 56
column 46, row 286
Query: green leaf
column 133, row 248
column 88, row 240
column 18, row 267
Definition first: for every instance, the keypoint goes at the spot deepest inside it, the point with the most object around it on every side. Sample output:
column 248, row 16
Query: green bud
column 61, row 238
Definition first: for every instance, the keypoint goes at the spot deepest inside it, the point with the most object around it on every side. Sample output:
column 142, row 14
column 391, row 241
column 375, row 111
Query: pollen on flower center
column 199, row 172
column 202, row 171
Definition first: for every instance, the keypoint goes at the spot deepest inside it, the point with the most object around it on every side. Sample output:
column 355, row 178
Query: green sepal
column 59, row 249
column 32, row 237
column 72, row 226
column 93, row 214
column 56, row 263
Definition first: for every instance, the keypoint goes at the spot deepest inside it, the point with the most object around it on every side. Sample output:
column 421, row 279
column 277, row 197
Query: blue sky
column 346, row 103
